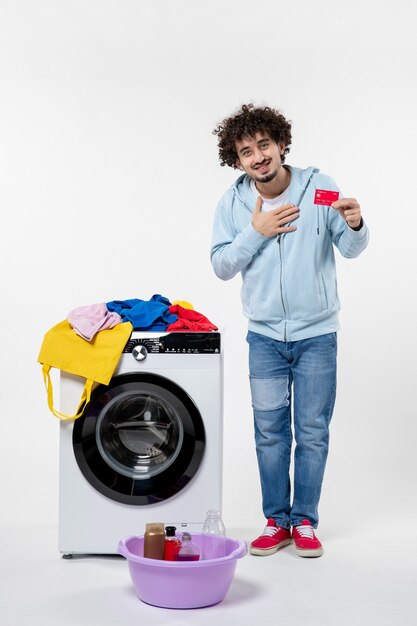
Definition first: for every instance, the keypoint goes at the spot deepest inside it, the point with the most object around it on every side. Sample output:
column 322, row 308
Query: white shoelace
column 306, row 531
column 269, row 531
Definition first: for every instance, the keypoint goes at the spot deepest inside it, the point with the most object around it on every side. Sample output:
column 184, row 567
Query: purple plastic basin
column 181, row 585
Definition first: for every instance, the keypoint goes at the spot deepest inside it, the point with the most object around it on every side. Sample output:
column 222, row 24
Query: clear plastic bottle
column 189, row 551
column 214, row 536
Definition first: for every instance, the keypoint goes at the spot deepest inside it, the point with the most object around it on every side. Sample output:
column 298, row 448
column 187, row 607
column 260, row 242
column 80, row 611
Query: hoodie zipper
column 281, row 287
column 280, row 261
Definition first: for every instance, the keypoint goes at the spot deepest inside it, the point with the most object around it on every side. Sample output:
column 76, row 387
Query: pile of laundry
column 156, row 314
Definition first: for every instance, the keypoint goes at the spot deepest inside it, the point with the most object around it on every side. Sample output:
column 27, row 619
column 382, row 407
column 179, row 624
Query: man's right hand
column 272, row 223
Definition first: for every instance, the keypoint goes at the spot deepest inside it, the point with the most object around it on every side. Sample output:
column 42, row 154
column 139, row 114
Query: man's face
column 259, row 157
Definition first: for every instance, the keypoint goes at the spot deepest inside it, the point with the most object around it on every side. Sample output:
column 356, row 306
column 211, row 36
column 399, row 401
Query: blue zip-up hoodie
column 289, row 289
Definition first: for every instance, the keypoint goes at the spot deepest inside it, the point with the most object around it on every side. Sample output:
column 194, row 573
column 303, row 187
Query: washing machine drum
column 141, row 439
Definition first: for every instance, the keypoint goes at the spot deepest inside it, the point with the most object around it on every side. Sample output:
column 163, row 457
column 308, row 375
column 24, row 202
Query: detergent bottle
column 154, row 541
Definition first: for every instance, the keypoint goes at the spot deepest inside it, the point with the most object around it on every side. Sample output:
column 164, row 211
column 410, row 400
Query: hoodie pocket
column 323, row 294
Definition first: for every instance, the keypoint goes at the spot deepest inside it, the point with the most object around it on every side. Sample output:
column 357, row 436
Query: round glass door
column 140, row 440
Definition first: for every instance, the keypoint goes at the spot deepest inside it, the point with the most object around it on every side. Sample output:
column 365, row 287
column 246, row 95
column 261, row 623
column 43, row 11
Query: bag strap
column 85, row 398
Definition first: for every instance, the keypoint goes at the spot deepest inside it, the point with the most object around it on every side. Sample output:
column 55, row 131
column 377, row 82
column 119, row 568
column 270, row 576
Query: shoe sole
column 309, row 553
column 268, row 551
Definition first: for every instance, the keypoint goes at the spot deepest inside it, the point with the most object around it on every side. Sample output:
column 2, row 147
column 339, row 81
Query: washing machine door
column 141, row 439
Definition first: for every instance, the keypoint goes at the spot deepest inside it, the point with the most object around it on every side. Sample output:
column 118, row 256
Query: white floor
column 366, row 577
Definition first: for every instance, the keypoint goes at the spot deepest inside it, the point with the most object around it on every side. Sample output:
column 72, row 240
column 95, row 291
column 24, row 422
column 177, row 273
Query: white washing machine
column 148, row 447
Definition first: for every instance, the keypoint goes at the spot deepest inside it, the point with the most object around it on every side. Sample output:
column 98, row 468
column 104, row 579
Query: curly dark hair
column 246, row 123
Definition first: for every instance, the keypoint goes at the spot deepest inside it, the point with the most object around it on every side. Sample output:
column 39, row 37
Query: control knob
column 140, row 353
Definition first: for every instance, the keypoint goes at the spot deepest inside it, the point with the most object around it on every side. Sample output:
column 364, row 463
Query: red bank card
column 324, row 196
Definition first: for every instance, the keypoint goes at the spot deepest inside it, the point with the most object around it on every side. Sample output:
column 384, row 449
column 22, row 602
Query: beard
column 265, row 179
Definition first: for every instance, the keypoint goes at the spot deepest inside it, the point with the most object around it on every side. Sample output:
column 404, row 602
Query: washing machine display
column 141, row 439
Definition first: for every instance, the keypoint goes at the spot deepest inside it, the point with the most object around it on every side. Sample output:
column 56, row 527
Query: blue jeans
column 305, row 369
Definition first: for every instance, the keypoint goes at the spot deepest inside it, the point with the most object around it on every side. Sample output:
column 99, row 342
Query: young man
column 278, row 226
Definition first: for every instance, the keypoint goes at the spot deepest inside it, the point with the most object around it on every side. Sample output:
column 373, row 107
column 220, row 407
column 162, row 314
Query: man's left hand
column 350, row 210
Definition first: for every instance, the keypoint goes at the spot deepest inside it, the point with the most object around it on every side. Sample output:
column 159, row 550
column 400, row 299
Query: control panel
column 177, row 343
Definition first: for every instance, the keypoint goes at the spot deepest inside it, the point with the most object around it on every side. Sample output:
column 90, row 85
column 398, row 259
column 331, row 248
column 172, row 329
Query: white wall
column 109, row 179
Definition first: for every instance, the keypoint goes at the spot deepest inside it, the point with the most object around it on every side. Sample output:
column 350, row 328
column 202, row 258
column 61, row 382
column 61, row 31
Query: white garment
column 269, row 204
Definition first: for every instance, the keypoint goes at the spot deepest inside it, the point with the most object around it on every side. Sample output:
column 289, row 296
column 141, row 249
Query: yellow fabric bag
column 94, row 360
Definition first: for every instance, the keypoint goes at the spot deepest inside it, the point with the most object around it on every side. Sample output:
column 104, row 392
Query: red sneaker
column 272, row 539
column 306, row 542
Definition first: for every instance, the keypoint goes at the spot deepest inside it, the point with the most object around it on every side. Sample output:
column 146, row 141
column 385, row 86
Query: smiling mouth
column 262, row 167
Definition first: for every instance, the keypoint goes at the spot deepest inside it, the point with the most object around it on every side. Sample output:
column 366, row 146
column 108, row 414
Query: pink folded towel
column 90, row 319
